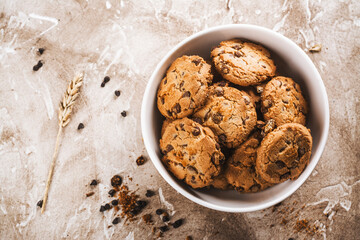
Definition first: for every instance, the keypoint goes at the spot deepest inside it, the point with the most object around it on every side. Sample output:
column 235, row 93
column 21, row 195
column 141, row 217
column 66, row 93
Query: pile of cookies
column 232, row 123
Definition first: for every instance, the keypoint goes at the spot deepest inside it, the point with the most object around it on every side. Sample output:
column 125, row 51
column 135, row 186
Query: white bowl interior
column 292, row 62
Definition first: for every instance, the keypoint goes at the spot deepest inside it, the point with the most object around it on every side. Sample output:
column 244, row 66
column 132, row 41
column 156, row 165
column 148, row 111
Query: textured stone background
column 125, row 40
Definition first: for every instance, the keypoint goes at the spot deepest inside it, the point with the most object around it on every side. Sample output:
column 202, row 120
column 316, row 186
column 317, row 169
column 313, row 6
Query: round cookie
column 282, row 101
column 191, row 152
column 243, row 63
column 230, row 115
column 184, row 88
column 240, row 169
column 284, row 153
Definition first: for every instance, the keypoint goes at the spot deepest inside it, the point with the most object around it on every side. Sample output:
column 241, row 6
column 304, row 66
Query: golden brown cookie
column 284, row 153
column 243, row 63
column 191, row 152
column 230, row 115
column 184, row 88
column 240, row 168
column 282, row 101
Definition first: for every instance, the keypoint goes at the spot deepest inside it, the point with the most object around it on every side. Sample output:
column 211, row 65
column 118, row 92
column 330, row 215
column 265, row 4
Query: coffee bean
column 102, row 84
column 112, row 192
column 123, row 113
column 149, row 193
column 106, row 79
column 38, row 66
column 102, row 209
column 115, row 202
column 163, row 228
column 41, row 51
column 159, row 211
column 39, row 203
column 166, row 219
column 141, row 203
column 116, row 181
column 107, row 206
column 116, row 220
column 93, row 182
column 80, row 126
column 117, row 93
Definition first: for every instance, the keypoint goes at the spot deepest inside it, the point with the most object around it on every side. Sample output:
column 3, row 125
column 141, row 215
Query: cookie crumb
column 147, row 218
column 90, row 194
column 188, row 238
column 38, row 66
column 80, row 126
column 116, row 181
column 301, row 224
column 117, row 93
column 93, row 182
column 140, row 160
column 315, row 48
column 112, row 192
column 123, row 113
column 39, row 203
column 102, row 208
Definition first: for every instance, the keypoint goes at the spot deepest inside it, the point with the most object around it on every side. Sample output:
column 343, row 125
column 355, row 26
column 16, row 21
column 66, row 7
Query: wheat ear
column 65, row 109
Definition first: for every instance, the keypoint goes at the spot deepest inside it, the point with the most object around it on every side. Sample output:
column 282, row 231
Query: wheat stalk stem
column 65, row 109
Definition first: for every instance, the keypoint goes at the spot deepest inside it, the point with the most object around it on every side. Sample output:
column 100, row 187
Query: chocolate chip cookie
column 191, row 152
column 230, row 115
column 284, row 153
column 240, row 168
column 220, row 182
column 282, row 101
column 243, row 63
column 184, row 88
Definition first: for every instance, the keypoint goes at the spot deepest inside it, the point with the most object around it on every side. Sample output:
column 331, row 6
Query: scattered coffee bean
column 116, row 220
column 106, row 79
column 116, row 181
column 93, row 182
column 40, row 203
column 102, row 209
column 177, row 223
column 115, row 202
column 117, row 93
column 112, row 192
column 102, row 84
column 163, row 228
column 166, row 219
column 141, row 203
column 90, row 194
column 149, row 193
column 41, row 51
column 38, row 66
column 107, row 206
column 140, row 160
column 188, row 238
column 159, row 211
column 80, row 126
column 123, row 113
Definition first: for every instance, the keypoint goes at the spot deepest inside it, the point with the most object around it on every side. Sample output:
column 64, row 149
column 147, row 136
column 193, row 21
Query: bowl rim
column 158, row 165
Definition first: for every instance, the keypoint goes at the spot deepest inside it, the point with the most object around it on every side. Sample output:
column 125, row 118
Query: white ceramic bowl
column 293, row 61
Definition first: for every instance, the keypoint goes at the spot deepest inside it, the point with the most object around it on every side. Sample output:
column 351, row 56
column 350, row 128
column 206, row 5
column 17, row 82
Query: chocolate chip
column 255, row 188
column 238, row 54
column 182, row 84
column 285, row 176
column 106, row 79
column 219, row 91
column 196, row 61
column 162, row 100
column 163, row 228
column 112, row 192
column 166, row 219
column 123, row 113
column 169, row 113
column 207, row 115
column 116, row 220
column 177, row 108
column 102, row 209
column 93, row 182
column 149, row 193
column 217, row 146
column 280, row 164
column 117, row 93
column 159, row 211
column 217, row 118
column 186, row 94
column 301, row 152
column 169, row 147
column 80, row 126
column 116, row 181
column 39, row 203
column 182, row 126
column 38, row 66
column 225, row 69
column 222, row 138
column 107, row 206
column 237, row 46
column 115, row 202
column 177, row 223
column 196, row 131
column 165, row 81
column 41, row 50
column 198, row 120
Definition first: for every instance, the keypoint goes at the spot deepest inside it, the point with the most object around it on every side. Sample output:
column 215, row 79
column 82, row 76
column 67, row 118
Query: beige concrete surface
column 125, row 40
